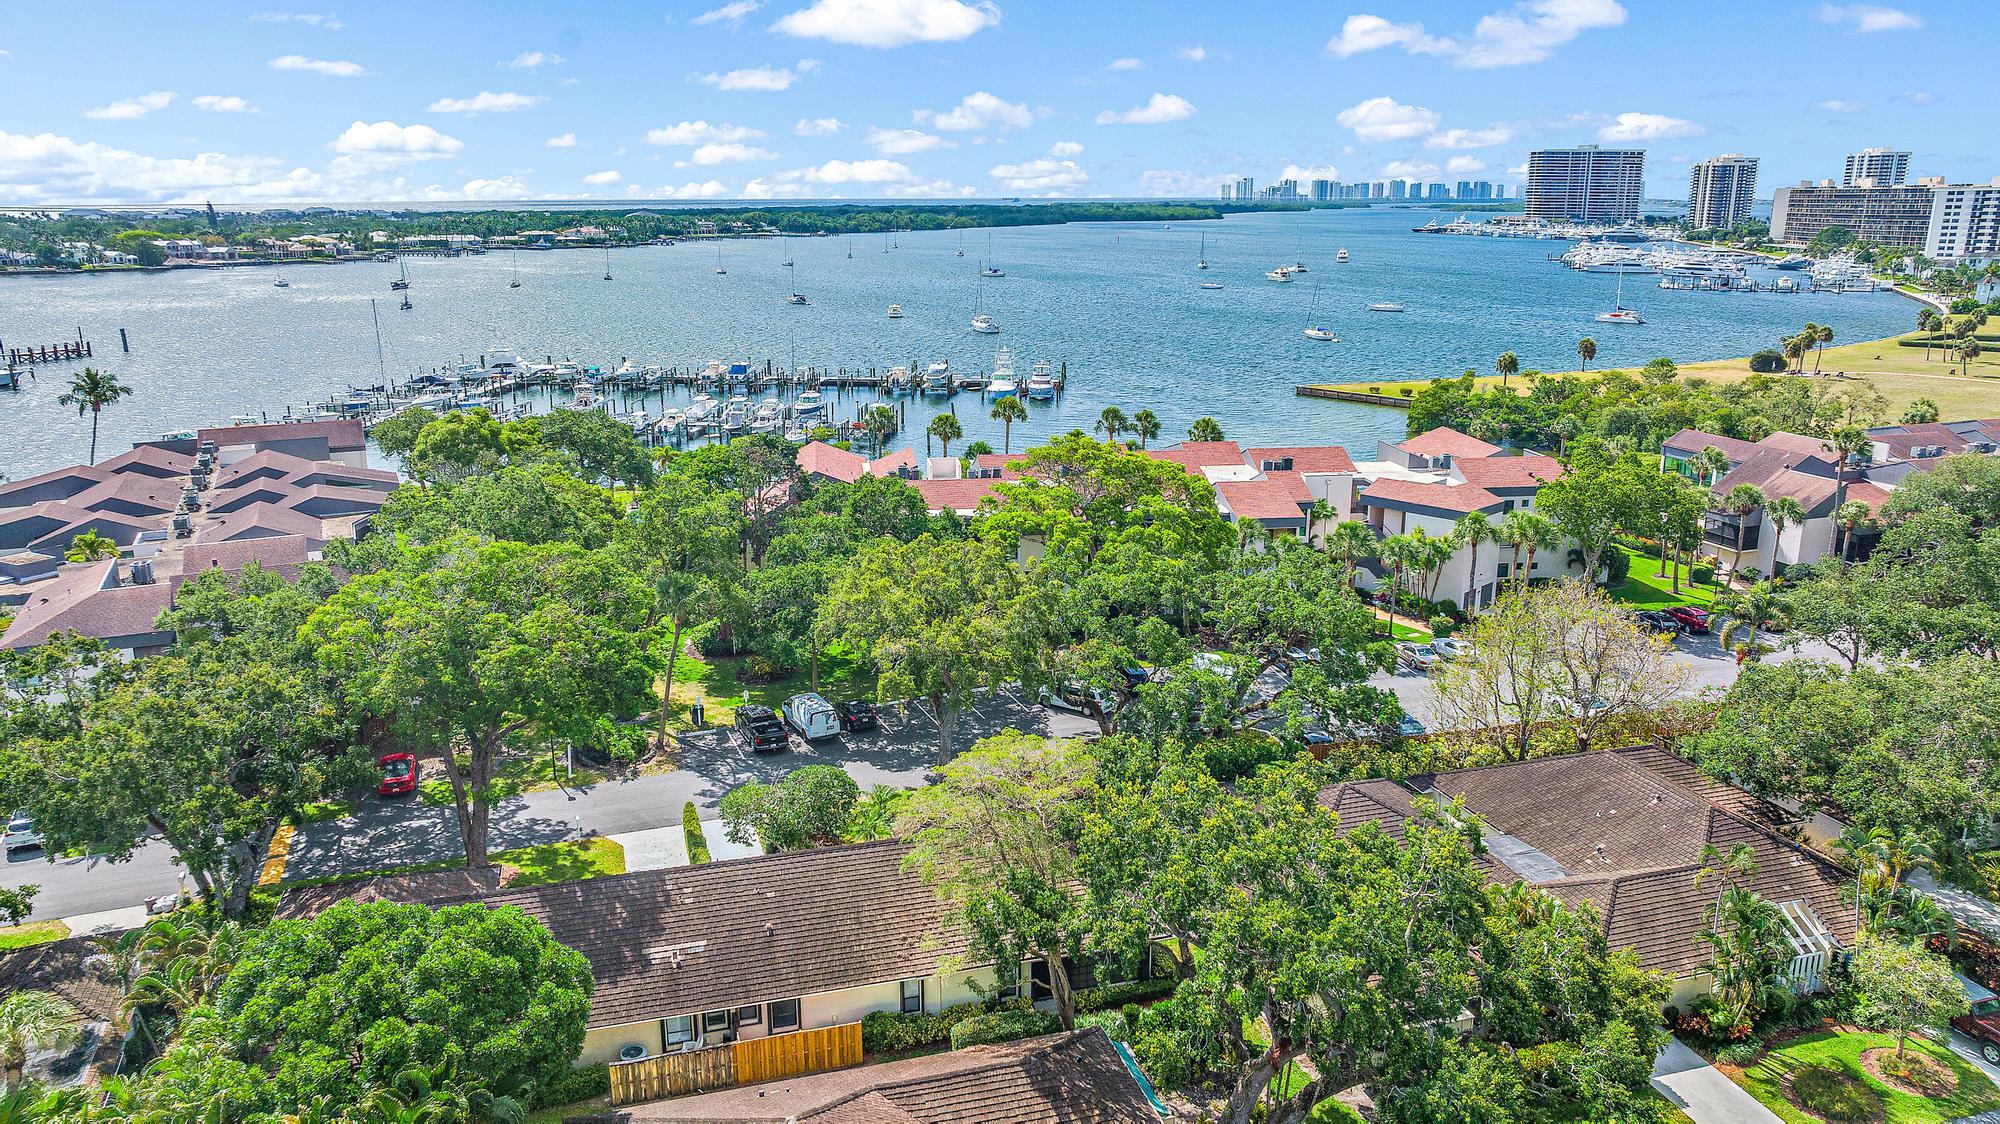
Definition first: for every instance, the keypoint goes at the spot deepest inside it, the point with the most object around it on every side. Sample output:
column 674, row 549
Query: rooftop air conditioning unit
column 142, row 571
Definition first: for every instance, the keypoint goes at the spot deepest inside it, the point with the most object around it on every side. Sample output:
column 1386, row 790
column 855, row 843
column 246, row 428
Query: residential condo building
column 1720, row 191
column 1587, row 182
column 1945, row 222
column 1881, row 167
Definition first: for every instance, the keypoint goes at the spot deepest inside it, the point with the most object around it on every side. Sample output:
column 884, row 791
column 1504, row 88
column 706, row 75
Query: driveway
column 900, row 753
column 1700, row 1090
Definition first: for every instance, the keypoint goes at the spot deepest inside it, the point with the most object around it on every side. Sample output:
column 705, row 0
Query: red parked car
column 1691, row 618
column 1981, row 1023
column 399, row 774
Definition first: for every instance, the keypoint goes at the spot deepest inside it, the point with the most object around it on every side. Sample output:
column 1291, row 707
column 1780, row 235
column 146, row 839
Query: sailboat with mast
column 1319, row 332
column 718, row 260
column 982, row 323
column 796, row 297
column 1619, row 314
column 988, row 269
column 607, row 263
column 1202, row 261
column 515, row 283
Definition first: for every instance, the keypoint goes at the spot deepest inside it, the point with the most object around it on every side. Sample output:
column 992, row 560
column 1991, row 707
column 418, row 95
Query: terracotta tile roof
column 1689, row 441
column 1269, row 499
column 1459, row 498
column 1305, row 458
column 1509, row 473
column 817, row 458
column 960, row 497
column 741, row 931
column 893, row 463
column 1443, row 440
column 1009, row 464
column 1198, row 454
column 86, row 600
column 342, row 434
column 1072, row 1078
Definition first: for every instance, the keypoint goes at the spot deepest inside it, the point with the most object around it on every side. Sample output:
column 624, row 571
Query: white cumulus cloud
column 768, row 79
column 706, row 189
column 1464, row 165
column 132, row 108
column 902, row 142
column 1160, row 109
column 1527, row 32
column 889, row 23
column 1469, row 138
column 46, row 167
column 818, row 126
column 485, row 101
column 1040, row 175
column 1386, row 119
column 701, row 132
column 1196, row 53
column 534, row 60
column 1841, row 105
column 600, row 179
column 223, row 103
column 566, row 140
column 505, row 187
column 1870, row 17
column 1408, row 169
column 325, row 21
column 1310, row 172
column 335, row 68
column 1648, row 126
column 1065, row 148
column 1127, row 63
column 976, row 111
column 731, row 14
column 387, row 138
column 708, row 155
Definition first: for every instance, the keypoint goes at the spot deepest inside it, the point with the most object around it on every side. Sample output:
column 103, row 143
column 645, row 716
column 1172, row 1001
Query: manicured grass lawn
column 33, row 933
column 1643, row 589
column 517, row 775
column 564, row 862
column 1416, row 386
column 719, row 684
column 1842, row 1052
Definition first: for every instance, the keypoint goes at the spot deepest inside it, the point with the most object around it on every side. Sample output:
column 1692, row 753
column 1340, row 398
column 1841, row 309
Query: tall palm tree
column 90, row 547
column 1928, row 322
column 1867, row 850
column 1398, row 553
column 1007, row 411
column 1472, row 529
column 1967, row 350
column 1146, row 424
column 1111, row 422
column 1795, row 354
column 1508, row 365
column 1782, row 512
column 1350, row 539
column 1822, row 335
column 29, row 1019
column 1531, row 532
column 1741, row 501
column 1749, row 610
column 90, row 392
column 1847, row 444
column 946, row 429
column 1206, row 429
column 1851, row 517
column 880, row 421
column 1586, row 350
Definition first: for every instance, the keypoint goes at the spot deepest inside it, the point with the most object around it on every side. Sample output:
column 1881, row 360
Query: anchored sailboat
column 1202, row 262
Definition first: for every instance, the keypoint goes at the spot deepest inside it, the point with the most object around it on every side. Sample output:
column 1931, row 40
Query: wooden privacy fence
column 740, row 1063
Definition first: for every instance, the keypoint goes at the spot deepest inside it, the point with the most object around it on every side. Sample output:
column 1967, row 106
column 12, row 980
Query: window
column 680, row 1029
column 784, row 1015
column 1504, row 567
column 913, row 997
column 749, row 1016
column 713, row 1022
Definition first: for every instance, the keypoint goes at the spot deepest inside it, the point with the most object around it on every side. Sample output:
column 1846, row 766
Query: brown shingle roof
column 342, row 434
column 86, row 601
column 1072, row 1078
column 741, row 931
column 1695, row 440
column 262, row 519
column 1772, row 471
column 1443, row 440
column 63, row 967
column 1459, row 498
column 1305, row 458
column 1529, row 471
column 421, row 887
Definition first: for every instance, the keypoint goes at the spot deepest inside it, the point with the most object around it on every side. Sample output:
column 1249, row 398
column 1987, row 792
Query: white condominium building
column 1720, row 191
column 1881, row 167
column 1588, row 183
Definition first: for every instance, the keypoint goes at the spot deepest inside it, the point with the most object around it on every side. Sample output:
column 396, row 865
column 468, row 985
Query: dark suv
column 761, row 730
column 855, row 714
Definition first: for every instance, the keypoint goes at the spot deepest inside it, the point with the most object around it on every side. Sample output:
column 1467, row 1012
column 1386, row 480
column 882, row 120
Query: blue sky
column 122, row 101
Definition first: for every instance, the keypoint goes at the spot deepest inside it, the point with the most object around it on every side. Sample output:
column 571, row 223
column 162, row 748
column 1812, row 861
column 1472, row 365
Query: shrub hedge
column 892, row 1032
column 697, row 843
column 579, row 1084
column 1120, row 994
column 1003, row 1026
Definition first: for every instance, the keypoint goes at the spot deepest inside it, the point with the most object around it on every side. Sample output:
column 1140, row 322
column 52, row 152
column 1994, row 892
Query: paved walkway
column 657, row 848
column 1700, row 1090
column 1966, row 908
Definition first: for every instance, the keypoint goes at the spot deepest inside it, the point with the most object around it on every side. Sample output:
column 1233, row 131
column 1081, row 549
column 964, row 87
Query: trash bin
column 697, row 715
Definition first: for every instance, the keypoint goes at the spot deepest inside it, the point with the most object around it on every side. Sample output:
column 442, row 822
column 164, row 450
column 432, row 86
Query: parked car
column 1588, row 708
column 1078, row 699
column 1659, row 620
column 1981, row 1023
column 1410, row 727
column 1301, row 655
column 760, row 729
column 1419, row 657
column 1450, row 648
column 856, row 714
column 398, row 774
column 812, row 716
column 21, row 834
column 1316, row 737
column 1692, row 619
column 1136, row 675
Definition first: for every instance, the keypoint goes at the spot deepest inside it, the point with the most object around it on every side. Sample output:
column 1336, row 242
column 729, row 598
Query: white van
column 812, row 716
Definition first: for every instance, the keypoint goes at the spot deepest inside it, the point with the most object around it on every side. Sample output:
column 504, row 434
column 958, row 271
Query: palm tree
column 880, row 421
column 1795, row 353
column 1112, row 422
column 1350, row 539
column 1472, row 529
column 1851, row 517
column 1206, row 429
column 90, row 391
column 1822, row 335
column 1929, row 322
column 1508, row 364
column 1529, row 531
column 1251, row 534
column 1847, row 443
column 1749, row 610
column 946, row 429
column 1586, row 350
column 1007, row 411
column 1967, row 350
column 1146, row 424
column 1741, row 501
column 1867, row 850
column 1780, row 513
column 90, row 547
column 29, row 1019
column 1399, row 554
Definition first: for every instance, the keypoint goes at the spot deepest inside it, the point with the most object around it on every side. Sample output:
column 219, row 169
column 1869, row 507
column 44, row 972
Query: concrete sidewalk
column 1700, row 1090
column 657, row 848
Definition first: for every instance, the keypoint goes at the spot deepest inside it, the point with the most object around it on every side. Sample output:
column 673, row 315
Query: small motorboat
column 1041, row 382
column 993, row 271
column 1324, row 335
column 985, row 325
column 1211, row 285
column 1341, row 257
column 796, row 298
column 808, row 404
column 1386, row 306
column 895, row 312
column 1282, row 273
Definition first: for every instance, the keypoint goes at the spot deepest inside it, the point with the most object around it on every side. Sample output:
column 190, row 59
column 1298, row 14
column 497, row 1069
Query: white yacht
column 736, row 414
column 1002, row 384
column 1324, row 335
column 701, row 411
column 937, row 378
column 769, row 416
column 808, row 403
column 718, row 261
column 1282, row 273
column 1041, row 382
column 1341, row 257
column 895, row 312
column 586, row 398
column 985, row 325
column 993, row 271
column 1386, row 306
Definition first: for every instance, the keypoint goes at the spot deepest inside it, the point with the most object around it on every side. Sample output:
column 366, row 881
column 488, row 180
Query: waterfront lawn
column 1644, row 589
column 1842, row 1053
column 33, row 933
column 1415, row 386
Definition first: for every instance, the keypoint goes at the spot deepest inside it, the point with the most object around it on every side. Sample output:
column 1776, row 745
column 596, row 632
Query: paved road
column 1700, row 1090
column 392, row 833
column 89, row 885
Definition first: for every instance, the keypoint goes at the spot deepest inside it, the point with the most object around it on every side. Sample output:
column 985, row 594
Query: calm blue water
column 1119, row 303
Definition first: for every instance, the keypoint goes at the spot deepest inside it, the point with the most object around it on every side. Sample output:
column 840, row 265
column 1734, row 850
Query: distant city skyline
column 252, row 103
